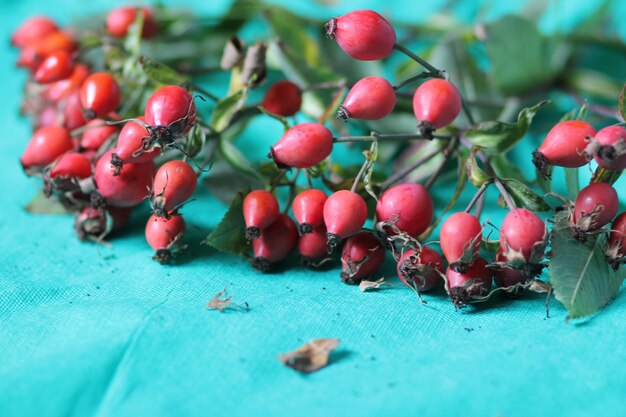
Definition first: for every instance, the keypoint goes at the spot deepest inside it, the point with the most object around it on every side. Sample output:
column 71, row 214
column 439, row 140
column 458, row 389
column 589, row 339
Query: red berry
column 97, row 134
column 302, row 146
column 72, row 165
column 420, row 268
column 96, row 224
column 260, row 210
column 595, row 206
column 612, row 151
column 436, row 103
column 33, row 29
column 45, row 146
column 73, row 116
column 345, row 213
column 120, row 19
column 313, row 245
column 127, row 189
column 522, row 231
column 616, row 248
column 163, row 233
column 174, row 183
column 460, row 238
column 57, row 66
column 48, row 117
column 168, row 105
column 363, row 34
column 371, row 98
column 461, row 289
column 100, row 95
column 34, row 53
column 362, row 255
column 564, row 145
column 274, row 243
column 308, row 209
column 61, row 89
column 130, row 144
column 506, row 276
column 283, row 98
column 410, row 203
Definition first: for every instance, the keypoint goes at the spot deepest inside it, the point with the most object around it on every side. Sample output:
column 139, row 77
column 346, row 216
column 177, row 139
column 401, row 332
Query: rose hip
column 58, row 90
column 96, row 134
column 57, row 66
column 411, row 204
column 611, row 154
column 460, row 238
column 95, row 224
column 420, row 268
column 313, row 246
column 616, row 246
column 524, row 233
column 505, row 276
column 595, row 206
column 100, row 95
column 436, row 103
column 283, row 98
column 127, row 189
column 362, row 255
column 120, row 19
column 371, row 98
column 73, row 116
column 71, row 165
column 33, row 54
column 275, row 242
column 163, row 234
column 345, row 213
column 174, row 183
column 45, row 146
column 564, row 146
column 260, row 210
column 476, row 282
column 33, row 29
column 172, row 109
column 130, row 144
column 308, row 209
column 302, row 146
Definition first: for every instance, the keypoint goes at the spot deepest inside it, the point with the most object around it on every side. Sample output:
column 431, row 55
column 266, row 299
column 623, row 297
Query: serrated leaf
column 498, row 136
column 40, row 204
column 226, row 109
column 160, row 73
column 582, row 280
column 622, row 103
column 524, row 196
column 230, row 234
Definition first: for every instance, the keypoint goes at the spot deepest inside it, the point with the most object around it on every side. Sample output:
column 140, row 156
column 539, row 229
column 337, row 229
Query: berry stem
column 505, row 194
column 330, row 85
column 386, row 137
column 447, row 153
column 477, row 196
column 202, row 91
column 358, row 177
column 406, row 170
column 410, row 80
column 434, row 71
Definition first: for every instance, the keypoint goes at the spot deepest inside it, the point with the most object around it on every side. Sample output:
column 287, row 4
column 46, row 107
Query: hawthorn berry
column 96, row 134
column 362, row 34
column 99, row 95
column 308, row 209
column 174, row 182
column 302, row 146
column 476, row 282
column 616, row 245
column 57, row 66
column 95, row 224
column 119, row 20
column 313, row 246
column 127, row 189
column 274, row 243
column 460, row 238
column 45, row 146
column 283, row 98
column 564, row 146
column 523, row 235
column 71, row 165
column 362, row 255
column 371, row 98
column 595, row 206
column 33, row 29
column 611, row 153
column 436, row 103
column 164, row 234
column 420, row 268
column 345, row 213
column 260, row 209
column 411, row 204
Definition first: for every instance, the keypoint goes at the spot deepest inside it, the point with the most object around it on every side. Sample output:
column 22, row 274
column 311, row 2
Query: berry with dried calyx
column 96, row 134
column 616, row 246
column 164, row 235
column 127, row 189
column 595, row 206
column 302, row 146
column 96, row 224
column 274, row 243
column 174, row 183
column 308, row 209
column 260, row 210
column 460, row 237
column 371, row 98
column 407, row 208
column 420, row 268
column 362, row 255
column 523, row 236
column 312, row 246
column 436, row 104
column 476, row 282
column 345, row 213
column 608, row 147
column 283, row 98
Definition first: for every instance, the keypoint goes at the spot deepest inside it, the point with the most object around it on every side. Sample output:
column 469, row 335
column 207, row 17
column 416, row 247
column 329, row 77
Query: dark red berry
column 163, row 234
column 96, row 134
column 57, row 66
column 523, row 232
column 120, row 19
column 45, row 146
column 275, row 242
column 476, row 282
column 611, row 153
column 460, row 239
column 260, row 210
column 371, row 98
column 127, row 189
column 345, row 213
column 420, row 268
column 616, row 246
column 308, row 209
column 100, row 95
column 595, row 206
column 92, row 223
column 411, row 204
column 362, row 255
column 363, row 34
column 505, row 276
column 58, row 90
column 171, row 107
column 283, row 98
column 302, row 146
column 174, row 183
column 313, row 245
column 33, row 29
column 564, row 146
column 71, row 165
column 436, row 103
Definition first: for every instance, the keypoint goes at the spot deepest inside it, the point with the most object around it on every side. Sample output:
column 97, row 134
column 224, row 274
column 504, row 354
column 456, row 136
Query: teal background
column 104, row 331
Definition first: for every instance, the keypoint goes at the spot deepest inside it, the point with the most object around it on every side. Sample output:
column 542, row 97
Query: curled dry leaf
column 372, row 285
column 221, row 303
column 311, row 356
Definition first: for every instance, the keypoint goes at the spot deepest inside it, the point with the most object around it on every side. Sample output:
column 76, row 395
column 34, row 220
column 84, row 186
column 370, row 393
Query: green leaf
column 499, row 137
column 225, row 182
column 40, row 204
column 226, row 109
column 622, row 103
column 371, row 157
column 571, row 182
column 582, row 280
column 230, row 234
column 505, row 168
column 604, row 175
column 132, row 43
column 474, row 173
column 524, row 196
column 236, row 159
column 521, row 57
column 277, row 117
column 160, row 73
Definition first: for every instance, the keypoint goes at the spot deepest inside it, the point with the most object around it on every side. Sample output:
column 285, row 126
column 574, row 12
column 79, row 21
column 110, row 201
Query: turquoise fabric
column 89, row 330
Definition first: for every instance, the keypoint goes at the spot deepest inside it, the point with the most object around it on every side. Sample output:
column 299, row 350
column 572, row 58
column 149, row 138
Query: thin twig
column 406, row 170
column 447, row 153
column 385, row 137
column 477, row 196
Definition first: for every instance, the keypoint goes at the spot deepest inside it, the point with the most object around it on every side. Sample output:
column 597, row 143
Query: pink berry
column 45, row 146
column 460, row 238
column 420, row 268
column 162, row 234
column 410, row 203
column 92, row 223
column 313, row 245
column 127, row 189
column 462, row 290
column 362, row 255
column 308, row 209
column 522, row 231
column 174, row 183
column 96, row 134
column 171, row 107
column 564, row 145
column 130, row 145
column 436, row 103
column 371, row 98
column 260, row 210
column 595, row 206
column 274, row 243
column 71, row 165
column 283, row 98
column 612, row 151
column 345, row 213
column 33, row 29
column 363, row 34
column 302, row 146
